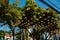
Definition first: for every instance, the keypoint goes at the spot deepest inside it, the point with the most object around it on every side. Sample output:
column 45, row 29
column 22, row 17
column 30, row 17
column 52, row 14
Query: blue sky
column 22, row 3
column 39, row 3
column 2, row 27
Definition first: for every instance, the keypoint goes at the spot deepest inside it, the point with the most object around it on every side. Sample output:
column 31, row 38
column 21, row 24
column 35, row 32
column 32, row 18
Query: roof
column 8, row 35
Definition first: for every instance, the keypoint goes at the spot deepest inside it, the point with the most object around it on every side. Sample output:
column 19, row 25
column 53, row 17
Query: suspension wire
column 53, row 4
column 50, row 6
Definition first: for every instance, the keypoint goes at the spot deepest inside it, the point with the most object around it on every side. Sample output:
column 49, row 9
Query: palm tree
column 2, row 34
column 10, row 14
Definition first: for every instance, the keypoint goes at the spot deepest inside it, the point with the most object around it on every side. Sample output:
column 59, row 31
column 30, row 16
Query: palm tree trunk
column 3, row 37
column 10, row 26
column 24, row 34
column 13, row 33
column 4, row 32
column 33, row 37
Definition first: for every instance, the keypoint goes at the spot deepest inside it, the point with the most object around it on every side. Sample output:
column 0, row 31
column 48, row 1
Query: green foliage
column 10, row 13
column 1, row 33
column 36, row 15
column 45, row 19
